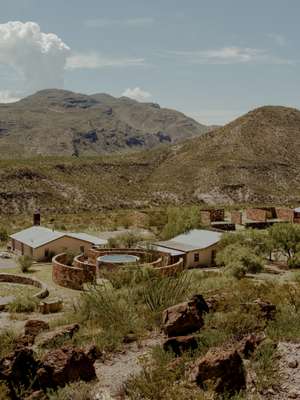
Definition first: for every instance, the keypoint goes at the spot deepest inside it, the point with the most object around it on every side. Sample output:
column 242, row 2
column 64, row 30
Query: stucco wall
column 256, row 214
column 285, row 214
column 236, row 217
column 205, row 257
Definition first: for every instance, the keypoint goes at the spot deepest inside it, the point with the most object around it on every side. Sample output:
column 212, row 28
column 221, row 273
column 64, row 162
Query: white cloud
column 7, row 96
column 278, row 39
column 137, row 94
column 140, row 22
column 38, row 57
column 95, row 60
column 229, row 55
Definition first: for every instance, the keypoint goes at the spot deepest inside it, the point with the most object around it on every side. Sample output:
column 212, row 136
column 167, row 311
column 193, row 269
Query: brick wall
column 285, row 214
column 236, row 217
column 256, row 214
column 208, row 216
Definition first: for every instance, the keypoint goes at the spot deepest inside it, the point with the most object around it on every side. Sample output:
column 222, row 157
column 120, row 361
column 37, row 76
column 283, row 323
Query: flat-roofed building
column 197, row 247
column 40, row 242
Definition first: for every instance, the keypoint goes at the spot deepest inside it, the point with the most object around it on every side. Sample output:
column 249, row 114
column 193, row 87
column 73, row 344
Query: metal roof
column 86, row 237
column 37, row 236
column 195, row 239
column 297, row 210
column 172, row 252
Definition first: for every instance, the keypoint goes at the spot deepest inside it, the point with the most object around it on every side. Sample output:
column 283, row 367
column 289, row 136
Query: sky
column 211, row 59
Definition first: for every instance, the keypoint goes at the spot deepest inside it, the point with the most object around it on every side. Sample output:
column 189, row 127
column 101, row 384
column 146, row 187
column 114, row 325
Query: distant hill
column 254, row 159
column 62, row 123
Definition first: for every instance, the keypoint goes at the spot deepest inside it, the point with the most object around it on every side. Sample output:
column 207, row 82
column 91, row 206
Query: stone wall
column 25, row 280
column 256, row 214
column 69, row 276
column 171, row 269
column 285, row 214
column 236, row 217
column 145, row 256
column 214, row 215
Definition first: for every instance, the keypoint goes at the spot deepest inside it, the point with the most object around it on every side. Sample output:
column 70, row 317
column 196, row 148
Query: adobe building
column 39, row 242
column 197, row 248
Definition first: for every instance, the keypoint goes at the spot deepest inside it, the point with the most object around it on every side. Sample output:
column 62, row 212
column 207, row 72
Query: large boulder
column 219, row 370
column 184, row 318
column 180, row 344
column 18, row 370
column 68, row 364
column 249, row 343
column 35, row 326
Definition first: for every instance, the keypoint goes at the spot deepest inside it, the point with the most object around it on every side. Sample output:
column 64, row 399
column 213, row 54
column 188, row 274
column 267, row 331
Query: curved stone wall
column 172, row 269
column 71, row 277
column 25, row 280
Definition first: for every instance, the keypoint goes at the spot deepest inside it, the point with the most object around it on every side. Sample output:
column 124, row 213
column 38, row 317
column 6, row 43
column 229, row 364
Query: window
column 196, row 257
column 46, row 253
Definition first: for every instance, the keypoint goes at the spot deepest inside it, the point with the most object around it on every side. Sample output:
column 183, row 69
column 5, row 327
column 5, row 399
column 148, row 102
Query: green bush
column 180, row 220
column 7, row 339
column 239, row 260
column 25, row 263
column 73, row 391
column 286, row 238
column 23, row 304
column 294, row 262
column 3, row 235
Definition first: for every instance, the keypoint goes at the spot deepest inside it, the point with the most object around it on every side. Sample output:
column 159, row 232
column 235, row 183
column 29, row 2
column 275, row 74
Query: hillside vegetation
column 62, row 123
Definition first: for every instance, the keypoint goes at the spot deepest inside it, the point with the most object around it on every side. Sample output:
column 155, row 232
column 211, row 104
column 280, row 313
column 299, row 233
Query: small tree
column 25, row 263
column 3, row 235
column 239, row 260
column 286, row 239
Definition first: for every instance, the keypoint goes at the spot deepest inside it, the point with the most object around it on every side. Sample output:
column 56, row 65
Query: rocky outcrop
column 265, row 309
column 249, row 343
column 58, row 335
column 219, row 370
column 68, row 364
column 184, row 318
column 35, row 326
column 180, row 344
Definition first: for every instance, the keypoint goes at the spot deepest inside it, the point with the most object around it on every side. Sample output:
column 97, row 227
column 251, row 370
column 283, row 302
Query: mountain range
column 62, row 123
column 254, row 159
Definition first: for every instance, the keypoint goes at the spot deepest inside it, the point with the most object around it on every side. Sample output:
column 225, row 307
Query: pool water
column 118, row 259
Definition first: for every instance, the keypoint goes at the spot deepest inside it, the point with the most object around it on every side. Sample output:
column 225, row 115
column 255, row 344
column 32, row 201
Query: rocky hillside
column 62, row 123
column 254, row 159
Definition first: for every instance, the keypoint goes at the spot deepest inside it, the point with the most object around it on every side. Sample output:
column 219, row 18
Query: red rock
column 219, row 370
column 181, row 344
column 249, row 343
column 61, row 366
column 35, row 326
column 184, row 318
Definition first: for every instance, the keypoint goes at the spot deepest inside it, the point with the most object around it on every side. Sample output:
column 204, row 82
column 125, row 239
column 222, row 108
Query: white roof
column 297, row 210
column 37, row 236
column 172, row 252
column 195, row 239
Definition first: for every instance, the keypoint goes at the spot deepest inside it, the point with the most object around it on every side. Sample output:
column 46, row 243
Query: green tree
column 286, row 239
column 25, row 263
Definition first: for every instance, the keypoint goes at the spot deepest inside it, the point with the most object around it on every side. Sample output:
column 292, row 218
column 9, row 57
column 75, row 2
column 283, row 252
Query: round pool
column 118, row 259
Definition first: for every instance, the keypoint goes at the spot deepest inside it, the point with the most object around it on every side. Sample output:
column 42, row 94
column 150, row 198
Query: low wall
column 70, row 276
column 285, row 214
column 256, row 214
column 171, row 269
column 25, row 280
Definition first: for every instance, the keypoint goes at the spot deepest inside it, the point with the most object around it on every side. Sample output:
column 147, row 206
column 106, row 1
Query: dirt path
column 113, row 373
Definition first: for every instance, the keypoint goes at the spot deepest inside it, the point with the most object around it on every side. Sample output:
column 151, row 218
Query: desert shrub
column 294, row 261
column 113, row 311
column 264, row 363
column 158, row 381
column 130, row 275
column 69, row 257
column 4, row 391
column 73, row 391
column 3, row 235
column 125, row 240
column 239, row 260
column 7, row 339
column 23, row 304
column 25, row 263
column 162, row 292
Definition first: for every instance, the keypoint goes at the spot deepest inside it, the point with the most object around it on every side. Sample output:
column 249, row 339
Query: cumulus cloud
column 7, row 96
column 229, row 55
column 137, row 94
column 37, row 56
column 93, row 60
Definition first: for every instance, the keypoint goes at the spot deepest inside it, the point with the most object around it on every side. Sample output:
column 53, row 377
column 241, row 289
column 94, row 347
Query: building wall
column 237, row 217
column 57, row 246
column 256, row 214
column 205, row 257
column 285, row 214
